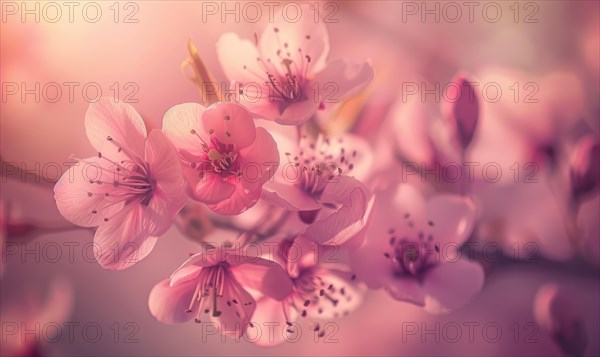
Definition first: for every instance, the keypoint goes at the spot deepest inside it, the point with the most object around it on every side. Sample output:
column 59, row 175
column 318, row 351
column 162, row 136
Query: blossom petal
column 79, row 197
column 178, row 124
column 239, row 201
column 184, row 274
column 168, row 304
column 405, row 289
column 259, row 161
column 296, row 113
column 348, row 220
column 289, row 197
column 123, row 240
column 449, row 286
column 453, row 218
column 238, row 59
column 235, row 307
column 261, row 275
column 230, row 123
column 305, row 37
column 169, row 195
column 341, row 79
column 120, row 121
column 270, row 312
column 209, row 189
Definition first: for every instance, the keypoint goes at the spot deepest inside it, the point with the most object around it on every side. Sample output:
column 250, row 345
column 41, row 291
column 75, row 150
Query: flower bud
column 585, row 167
column 461, row 109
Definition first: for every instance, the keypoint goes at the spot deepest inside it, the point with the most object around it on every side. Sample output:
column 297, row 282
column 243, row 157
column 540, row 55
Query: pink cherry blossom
column 285, row 76
column 211, row 287
column 226, row 159
column 131, row 190
column 322, row 289
column 320, row 180
column 411, row 250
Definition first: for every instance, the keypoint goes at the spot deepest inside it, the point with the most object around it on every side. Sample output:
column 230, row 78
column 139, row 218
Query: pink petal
column 270, row 312
column 302, row 253
column 256, row 97
column 409, row 200
column 210, row 189
column 77, row 199
column 348, row 220
column 289, row 196
column 405, row 289
column 296, row 113
column 341, row 79
column 449, row 286
column 411, row 131
column 184, row 274
column 234, row 317
column 178, row 123
column 230, row 123
column 208, row 257
column 238, row 59
column 239, row 201
column 305, row 34
column 259, row 161
column 124, row 240
column 120, row 121
column 169, row 304
column 169, row 194
column 452, row 218
column 261, row 275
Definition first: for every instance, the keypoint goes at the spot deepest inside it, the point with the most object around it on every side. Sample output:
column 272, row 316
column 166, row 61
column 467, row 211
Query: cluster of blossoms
column 235, row 156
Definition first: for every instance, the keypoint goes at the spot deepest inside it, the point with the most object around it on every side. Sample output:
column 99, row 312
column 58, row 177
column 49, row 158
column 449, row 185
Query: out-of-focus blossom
column 320, row 179
column 526, row 219
column 22, row 335
column 285, row 76
column 226, row 159
column 320, row 290
column 585, row 167
column 411, row 250
column 131, row 190
column 211, row 286
column 558, row 315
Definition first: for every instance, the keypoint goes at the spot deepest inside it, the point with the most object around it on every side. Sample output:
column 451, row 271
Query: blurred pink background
column 560, row 53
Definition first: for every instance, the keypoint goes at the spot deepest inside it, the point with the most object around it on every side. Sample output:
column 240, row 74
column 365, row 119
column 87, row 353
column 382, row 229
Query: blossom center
column 214, row 283
column 216, row 158
column 130, row 179
column 286, row 73
column 413, row 254
column 319, row 163
column 313, row 291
